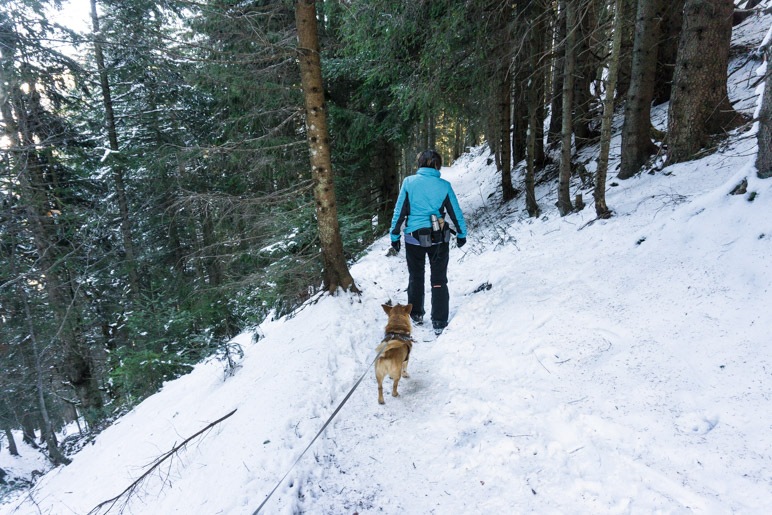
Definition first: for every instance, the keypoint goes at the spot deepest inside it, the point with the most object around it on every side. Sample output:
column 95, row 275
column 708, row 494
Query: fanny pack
column 438, row 233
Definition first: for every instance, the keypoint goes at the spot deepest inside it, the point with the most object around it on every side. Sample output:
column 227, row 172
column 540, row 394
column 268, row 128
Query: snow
column 612, row 366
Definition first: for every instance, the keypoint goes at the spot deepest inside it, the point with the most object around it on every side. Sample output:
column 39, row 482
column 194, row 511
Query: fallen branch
column 129, row 491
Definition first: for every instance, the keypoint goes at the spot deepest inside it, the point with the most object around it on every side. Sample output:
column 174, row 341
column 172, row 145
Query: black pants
column 438, row 264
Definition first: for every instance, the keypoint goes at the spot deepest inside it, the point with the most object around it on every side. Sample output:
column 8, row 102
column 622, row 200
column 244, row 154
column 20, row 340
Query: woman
column 426, row 200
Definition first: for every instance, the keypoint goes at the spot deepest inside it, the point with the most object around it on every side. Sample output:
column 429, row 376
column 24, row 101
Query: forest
column 187, row 168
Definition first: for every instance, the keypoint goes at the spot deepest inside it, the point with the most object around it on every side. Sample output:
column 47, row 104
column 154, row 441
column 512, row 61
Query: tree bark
column 539, row 82
column 336, row 273
column 626, row 48
column 386, row 161
column 764, row 158
column 11, row 442
column 558, row 69
column 700, row 105
column 531, row 206
column 431, row 130
column 535, row 100
column 636, row 128
column 667, row 51
column 564, row 194
column 521, row 78
column 458, row 140
column 210, row 250
column 28, row 425
column 503, row 95
column 521, row 84
column 586, row 70
column 601, row 209
column 505, row 124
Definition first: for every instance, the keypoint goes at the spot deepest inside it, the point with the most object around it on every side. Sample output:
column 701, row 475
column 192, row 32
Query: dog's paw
column 381, row 401
column 405, row 374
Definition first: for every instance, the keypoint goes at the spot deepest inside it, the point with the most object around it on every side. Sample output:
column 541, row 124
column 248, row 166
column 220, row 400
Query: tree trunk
column 764, row 159
column 386, row 160
column 47, row 429
column 539, row 82
column 558, row 70
column 117, row 168
column 585, row 71
column 667, row 51
column 336, row 273
column 636, row 128
column 519, row 112
column 54, row 453
column 700, row 105
column 535, row 102
column 521, row 79
column 503, row 95
column 11, row 442
column 533, row 98
column 747, row 11
column 505, row 124
column 210, row 251
column 28, row 424
column 626, row 48
column 564, row 194
column 601, row 209
column 431, row 130
column 458, row 140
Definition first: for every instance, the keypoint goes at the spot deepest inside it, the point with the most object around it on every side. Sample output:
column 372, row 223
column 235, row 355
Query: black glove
column 460, row 242
column 396, row 245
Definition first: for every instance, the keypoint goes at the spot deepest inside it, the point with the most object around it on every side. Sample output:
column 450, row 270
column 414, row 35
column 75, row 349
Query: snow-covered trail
column 551, row 392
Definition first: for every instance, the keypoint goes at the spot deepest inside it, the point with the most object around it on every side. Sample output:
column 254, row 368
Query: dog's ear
column 408, row 308
column 386, row 308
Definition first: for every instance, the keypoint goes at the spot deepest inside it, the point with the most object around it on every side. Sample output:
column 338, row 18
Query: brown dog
column 395, row 348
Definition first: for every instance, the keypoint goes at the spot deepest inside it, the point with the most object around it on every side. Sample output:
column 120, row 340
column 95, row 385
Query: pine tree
column 336, row 274
column 48, row 200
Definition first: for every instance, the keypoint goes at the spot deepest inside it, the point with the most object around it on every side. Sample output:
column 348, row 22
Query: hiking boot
column 438, row 331
column 417, row 319
column 438, row 327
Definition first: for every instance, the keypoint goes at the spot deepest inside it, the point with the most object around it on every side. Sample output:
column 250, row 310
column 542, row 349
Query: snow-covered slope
column 611, row 366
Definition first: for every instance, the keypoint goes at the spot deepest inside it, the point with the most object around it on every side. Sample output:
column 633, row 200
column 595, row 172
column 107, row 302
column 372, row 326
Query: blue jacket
column 422, row 195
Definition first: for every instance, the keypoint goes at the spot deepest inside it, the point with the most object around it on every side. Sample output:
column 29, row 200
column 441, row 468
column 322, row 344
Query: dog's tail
column 388, row 345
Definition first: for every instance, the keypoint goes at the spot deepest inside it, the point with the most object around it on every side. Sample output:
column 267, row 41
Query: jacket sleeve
column 453, row 210
column 401, row 210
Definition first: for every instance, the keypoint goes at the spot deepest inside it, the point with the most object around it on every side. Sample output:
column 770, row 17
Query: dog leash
column 319, row 433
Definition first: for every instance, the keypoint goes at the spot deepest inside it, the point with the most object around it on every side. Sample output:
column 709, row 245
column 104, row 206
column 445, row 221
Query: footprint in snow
column 696, row 423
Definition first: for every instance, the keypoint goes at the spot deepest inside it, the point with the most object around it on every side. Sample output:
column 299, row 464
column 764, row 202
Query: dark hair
column 430, row 159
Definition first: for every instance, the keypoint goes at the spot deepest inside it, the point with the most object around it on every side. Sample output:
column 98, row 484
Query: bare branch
column 125, row 496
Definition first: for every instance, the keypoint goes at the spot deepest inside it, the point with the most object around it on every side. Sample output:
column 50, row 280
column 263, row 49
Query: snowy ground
column 614, row 366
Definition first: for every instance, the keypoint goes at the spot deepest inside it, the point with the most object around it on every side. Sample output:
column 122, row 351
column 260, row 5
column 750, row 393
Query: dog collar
column 398, row 336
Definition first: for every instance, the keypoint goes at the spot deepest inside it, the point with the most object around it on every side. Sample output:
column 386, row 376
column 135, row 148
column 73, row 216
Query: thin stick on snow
column 129, row 491
column 540, row 363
